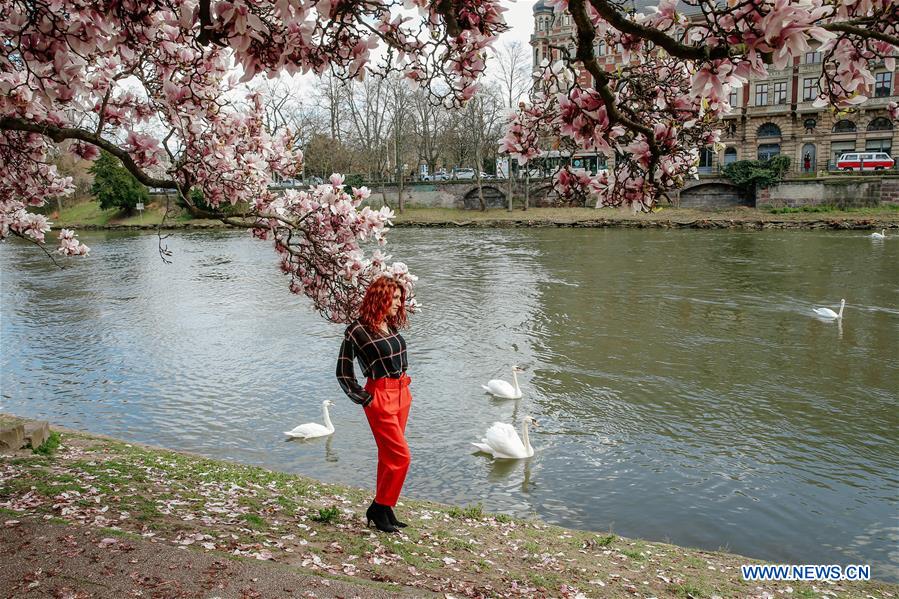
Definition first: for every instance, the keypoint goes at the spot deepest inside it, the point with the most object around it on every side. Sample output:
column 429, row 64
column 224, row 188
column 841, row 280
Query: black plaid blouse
column 379, row 355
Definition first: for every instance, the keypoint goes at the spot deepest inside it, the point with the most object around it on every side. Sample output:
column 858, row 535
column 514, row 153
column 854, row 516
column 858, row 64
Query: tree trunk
column 400, row 200
column 384, row 194
column 509, row 181
column 527, row 189
column 477, row 176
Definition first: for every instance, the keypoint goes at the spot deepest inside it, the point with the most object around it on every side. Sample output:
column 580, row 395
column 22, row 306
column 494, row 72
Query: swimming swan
column 828, row 313
column 881, row 235
column 314, row 429
column 501, row 441
column 502, row 389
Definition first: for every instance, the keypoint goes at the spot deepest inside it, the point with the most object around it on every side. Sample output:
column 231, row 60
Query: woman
column 375, row 340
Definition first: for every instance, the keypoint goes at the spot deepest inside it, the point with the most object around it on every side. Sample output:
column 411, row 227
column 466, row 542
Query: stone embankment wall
column 843, row 192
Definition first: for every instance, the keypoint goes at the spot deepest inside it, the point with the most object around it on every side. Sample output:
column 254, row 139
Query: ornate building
column 771, row 116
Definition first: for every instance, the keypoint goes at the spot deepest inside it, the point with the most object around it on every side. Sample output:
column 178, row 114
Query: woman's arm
column 346, row 374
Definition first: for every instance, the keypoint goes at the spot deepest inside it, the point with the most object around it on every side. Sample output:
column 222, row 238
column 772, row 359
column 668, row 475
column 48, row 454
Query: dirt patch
column 55, row 560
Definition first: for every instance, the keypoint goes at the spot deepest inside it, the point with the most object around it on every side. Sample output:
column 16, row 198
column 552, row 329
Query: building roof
column 630, row 5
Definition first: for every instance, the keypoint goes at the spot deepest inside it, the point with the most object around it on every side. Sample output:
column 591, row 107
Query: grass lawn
column 235, row 510
column 88, row 214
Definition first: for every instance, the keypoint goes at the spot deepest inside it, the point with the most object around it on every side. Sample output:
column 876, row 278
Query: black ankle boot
column 377, row 513
column 392, row 517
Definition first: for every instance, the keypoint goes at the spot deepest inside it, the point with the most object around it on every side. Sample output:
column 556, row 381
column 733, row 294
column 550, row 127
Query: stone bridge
column 706, row 192
column 710, row 192
column 452, row 194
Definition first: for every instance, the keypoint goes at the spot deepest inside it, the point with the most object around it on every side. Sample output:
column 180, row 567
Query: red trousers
column 387, row 414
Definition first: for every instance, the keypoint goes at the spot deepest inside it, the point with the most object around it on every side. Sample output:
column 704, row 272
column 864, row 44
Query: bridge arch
column 714, row 193
column 493, row 197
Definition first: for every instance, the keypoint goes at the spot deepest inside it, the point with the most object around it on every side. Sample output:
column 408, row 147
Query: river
column 683, row 390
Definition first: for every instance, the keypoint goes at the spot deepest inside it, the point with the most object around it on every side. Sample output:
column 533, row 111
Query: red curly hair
column 376, row 305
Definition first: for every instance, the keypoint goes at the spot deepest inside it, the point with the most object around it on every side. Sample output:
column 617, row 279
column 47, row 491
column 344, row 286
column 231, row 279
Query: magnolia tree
column 161, row 85
column 664, row 101
column 158, row 85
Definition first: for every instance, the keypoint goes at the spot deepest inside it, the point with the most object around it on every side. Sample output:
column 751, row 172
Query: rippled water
column 684, row 391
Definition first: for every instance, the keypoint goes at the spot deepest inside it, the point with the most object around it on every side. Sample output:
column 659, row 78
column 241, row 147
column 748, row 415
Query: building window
column 768, row 130
column 734, row 98
column 809, row 88
column 706, row 160
column 761, row 94
column 812, row 57
column 839, row 148
column 810, row 125
column 880, row 124
column 601, row 48
column 780, row 92
column 767, row 151
column 730, row 155
column 879, row 145
column 883, row 85
column 844, row 126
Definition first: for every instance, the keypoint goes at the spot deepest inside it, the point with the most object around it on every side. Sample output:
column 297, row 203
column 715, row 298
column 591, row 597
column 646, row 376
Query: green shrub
column 114, row 186
column 49, row 446
column 327, row 515
column 472, row 512
column 351, row 181
column 750, row 175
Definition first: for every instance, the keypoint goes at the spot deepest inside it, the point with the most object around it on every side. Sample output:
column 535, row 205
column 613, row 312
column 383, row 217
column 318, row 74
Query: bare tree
column 330, row 92
column 399, row 102
column 482, row 118
column 284, row 109
column 428, row 124
column 513, row 71
column 513, row 75
column 370, row 120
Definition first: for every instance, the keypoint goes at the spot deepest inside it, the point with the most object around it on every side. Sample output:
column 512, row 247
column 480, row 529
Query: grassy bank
column 89, row 215
column 824, row 217
column 207, row 507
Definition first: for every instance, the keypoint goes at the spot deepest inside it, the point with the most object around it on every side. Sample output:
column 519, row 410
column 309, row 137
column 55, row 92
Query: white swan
column 881, row 235
column 502, row 389
column 501, row 441
column 314, row 429
column 828, row 313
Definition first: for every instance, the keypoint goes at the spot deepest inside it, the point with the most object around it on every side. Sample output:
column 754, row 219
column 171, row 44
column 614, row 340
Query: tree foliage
column 114, row 186
column 750, row 175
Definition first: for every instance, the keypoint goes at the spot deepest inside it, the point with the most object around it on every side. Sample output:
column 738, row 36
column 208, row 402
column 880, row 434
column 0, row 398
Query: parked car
column 436, row 176
column 463, row 174
column 865, row 161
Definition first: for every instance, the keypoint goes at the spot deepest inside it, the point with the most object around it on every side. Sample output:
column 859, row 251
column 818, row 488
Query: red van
column 865, row 161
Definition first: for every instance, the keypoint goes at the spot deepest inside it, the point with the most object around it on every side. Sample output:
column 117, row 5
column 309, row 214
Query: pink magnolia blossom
column 185, row 121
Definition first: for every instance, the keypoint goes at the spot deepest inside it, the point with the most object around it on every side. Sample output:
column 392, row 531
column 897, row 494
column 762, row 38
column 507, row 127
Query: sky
column 519, row 16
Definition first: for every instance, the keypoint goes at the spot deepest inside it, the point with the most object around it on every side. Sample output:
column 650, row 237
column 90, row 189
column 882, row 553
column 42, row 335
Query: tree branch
column 615, row 18
column 59, row 134
column 862, row 32
column 586, row 33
